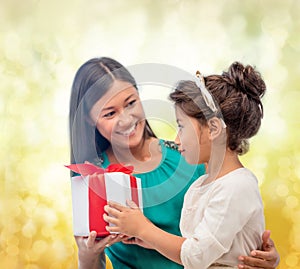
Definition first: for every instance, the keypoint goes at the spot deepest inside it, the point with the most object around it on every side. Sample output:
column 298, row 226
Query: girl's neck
column 144, row 157
column 230, row 163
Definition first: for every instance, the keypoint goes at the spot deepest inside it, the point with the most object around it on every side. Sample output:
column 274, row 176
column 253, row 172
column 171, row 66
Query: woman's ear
column 89, row 120
column 215, row 127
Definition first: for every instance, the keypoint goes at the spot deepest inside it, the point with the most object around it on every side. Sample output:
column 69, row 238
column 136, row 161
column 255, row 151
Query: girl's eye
column 179, row 127
column 109, row 114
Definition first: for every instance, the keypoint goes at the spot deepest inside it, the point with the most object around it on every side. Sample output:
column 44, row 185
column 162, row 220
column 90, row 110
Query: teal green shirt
column 163, row 192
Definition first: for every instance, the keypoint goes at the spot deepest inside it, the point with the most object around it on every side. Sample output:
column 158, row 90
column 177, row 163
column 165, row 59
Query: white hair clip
column 199, row 79
column 208, row 99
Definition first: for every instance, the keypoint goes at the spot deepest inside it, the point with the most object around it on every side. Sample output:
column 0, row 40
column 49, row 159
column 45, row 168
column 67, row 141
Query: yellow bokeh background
column 44, row 42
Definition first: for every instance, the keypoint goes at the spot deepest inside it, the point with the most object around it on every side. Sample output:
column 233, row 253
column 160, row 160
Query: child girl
column 108, row 125
column 222, row 214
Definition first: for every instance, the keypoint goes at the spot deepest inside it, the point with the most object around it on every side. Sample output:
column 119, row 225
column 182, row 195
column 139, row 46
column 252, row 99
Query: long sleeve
column 221, row 221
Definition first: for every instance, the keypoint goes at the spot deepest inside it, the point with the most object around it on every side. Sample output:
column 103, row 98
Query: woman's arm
column 267, row 258
column 91, row 251
column 132, row 222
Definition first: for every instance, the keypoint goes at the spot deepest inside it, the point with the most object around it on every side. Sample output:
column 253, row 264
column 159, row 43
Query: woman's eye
column 131, row 103
column 109, row 114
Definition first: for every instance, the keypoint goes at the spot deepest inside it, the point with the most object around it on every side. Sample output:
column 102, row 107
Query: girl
column 222, row 214
column 107, row 125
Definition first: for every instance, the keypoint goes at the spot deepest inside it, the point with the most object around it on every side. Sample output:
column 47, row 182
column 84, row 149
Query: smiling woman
column 108, row 125
column 118, row 114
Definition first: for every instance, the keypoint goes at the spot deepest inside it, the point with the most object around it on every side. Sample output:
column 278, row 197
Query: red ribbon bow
column 86, row 169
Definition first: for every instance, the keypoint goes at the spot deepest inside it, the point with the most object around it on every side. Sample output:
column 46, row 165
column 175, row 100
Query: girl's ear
column 215, row 127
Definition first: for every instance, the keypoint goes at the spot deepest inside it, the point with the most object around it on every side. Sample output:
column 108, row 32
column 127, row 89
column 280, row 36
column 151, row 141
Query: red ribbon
column 87, row 169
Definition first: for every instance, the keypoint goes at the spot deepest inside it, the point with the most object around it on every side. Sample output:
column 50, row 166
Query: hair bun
column 247, row 80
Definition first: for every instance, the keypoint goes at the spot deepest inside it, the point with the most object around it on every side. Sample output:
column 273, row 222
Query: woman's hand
column 136, row 241
column 91, row 250
column 267, row 258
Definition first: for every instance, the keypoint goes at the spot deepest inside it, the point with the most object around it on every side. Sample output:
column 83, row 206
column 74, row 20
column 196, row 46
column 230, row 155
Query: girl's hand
column 90, row 248
column 126, row 220
column 267, row 258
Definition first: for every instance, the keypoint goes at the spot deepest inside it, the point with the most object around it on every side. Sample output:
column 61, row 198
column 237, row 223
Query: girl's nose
column 177, row 140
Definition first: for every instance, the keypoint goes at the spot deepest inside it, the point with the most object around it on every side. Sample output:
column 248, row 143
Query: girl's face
column 192, row 138
column 119, row 115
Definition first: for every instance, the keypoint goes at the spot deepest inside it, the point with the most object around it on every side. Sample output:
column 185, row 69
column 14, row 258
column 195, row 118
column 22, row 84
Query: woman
column 107, row 125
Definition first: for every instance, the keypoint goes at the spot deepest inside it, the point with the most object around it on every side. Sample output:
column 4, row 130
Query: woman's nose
column 124, row 119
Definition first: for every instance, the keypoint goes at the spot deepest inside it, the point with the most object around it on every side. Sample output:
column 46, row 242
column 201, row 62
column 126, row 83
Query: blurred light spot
column 60, row 100
column 45, row 232
column 32, row 266
column 32, row 131
column 292, row 201
column 282, row 190
column 11, row 46
column 274, row 127
column 260, row 177
column 59, row 246
column 29, row 229
column 14, row 226
column 56, row 265
column 297, row 171
column 285, row 162
column 260, row 162
column 291, row 260
column 39, row 246
column 47, row 215
column 296, row 187
column 295, row 237
column 12, row 240
column 29, row 205
column 12, row 250
column 284, row 172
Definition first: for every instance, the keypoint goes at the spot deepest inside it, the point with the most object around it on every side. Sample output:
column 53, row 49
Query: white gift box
column 90, row 194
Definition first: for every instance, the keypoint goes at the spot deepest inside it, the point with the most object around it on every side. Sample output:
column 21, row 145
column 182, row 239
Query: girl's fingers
column 116, row 206
column 109, row 219
column 112, row 229
column 132, row 204
column 111, row 211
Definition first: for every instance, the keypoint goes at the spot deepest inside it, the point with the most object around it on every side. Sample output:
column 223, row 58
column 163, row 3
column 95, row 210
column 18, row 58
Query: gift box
column 90, row 193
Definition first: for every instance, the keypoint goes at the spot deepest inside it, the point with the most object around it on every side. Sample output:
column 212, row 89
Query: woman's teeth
column 129, row 131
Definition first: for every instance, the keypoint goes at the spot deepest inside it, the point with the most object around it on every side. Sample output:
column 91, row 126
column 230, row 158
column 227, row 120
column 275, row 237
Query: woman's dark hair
column 92, row 80
column 237, row 92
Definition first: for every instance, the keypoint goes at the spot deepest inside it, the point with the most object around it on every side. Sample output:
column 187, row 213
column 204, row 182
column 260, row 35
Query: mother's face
column 119, row 116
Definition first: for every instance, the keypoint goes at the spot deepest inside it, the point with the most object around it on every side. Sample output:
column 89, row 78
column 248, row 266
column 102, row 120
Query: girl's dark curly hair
column 237, row 92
